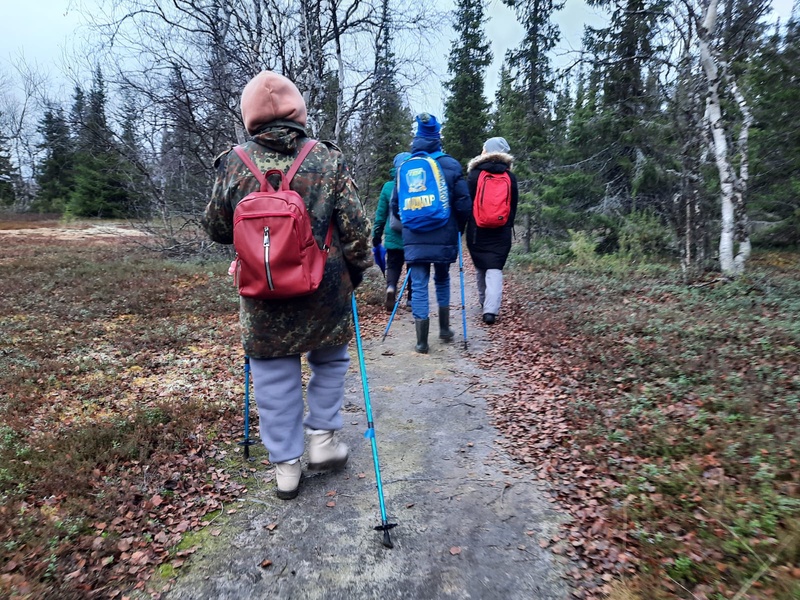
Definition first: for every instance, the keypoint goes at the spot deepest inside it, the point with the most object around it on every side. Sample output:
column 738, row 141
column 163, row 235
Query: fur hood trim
column 491, row 157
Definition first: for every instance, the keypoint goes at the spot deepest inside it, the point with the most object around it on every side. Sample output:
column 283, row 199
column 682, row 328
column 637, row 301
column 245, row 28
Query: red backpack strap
column 248, row 162
column 286, row 179
column 297, row 162
column 291, row 173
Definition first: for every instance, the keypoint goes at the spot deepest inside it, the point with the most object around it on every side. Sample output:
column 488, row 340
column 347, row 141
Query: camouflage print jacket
column 274, row 328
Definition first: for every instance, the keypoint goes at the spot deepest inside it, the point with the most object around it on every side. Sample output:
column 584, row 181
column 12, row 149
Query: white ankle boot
column 287, row 476
column 324, row 452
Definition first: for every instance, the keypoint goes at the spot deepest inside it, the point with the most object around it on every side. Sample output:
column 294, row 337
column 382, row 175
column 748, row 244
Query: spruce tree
column 100, row 185
column 625, row 57
column 527, row 86
column 466, row 111
column 56, row 170
column 77, row 121
column 132, row 159
column 7, row 193
column 508, row 116
column 388, row 129
column 775, row 184
column 183, row 175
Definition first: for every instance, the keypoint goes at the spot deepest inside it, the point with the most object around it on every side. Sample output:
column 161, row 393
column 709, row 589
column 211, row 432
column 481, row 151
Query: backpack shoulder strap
column 248, row 162
column 297, row 162
column 304, row 151
column 437, row 154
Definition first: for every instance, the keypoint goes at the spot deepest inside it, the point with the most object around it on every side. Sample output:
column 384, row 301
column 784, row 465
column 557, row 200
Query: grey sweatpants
column 490, row 289
column 279, row 396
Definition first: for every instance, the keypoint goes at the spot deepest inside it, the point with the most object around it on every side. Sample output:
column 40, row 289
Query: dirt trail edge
column 469, row 519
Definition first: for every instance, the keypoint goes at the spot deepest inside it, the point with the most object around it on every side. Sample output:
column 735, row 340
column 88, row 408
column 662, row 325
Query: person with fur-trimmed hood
column 276, row 332
column 489, row 247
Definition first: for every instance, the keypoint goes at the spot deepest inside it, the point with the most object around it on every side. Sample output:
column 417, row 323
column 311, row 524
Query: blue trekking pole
column 385, row 526
column 247, row 442
column 396, row 304
column 463, row 303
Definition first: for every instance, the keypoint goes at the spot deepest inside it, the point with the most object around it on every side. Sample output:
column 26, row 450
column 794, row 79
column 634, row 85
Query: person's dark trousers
column 394, row 266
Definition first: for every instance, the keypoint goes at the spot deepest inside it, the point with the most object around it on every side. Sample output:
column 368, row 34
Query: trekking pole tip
column 386, row 539
column 385, row 527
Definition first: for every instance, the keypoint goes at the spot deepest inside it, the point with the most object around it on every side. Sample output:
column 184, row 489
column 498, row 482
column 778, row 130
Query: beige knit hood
column 271, row 97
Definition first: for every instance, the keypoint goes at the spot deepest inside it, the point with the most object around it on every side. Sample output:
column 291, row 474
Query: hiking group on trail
column 291, row 209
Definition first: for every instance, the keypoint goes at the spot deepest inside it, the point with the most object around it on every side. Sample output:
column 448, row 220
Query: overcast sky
column 43, row 31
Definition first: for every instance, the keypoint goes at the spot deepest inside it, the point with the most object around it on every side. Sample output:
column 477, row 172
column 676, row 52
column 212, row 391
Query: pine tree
column 466, row 109
column 56, row 171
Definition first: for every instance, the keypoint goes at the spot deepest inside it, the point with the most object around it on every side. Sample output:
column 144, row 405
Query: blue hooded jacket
column 439, row 245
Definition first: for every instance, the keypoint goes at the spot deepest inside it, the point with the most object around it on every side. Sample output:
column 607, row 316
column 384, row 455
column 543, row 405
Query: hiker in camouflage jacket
column 276, row 332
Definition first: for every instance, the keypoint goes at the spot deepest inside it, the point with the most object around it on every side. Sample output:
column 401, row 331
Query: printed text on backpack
column 423, row 199
column 492, row 206
column 276, row 253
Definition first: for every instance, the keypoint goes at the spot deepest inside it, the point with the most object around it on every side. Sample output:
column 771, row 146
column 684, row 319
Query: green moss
column 165, row 571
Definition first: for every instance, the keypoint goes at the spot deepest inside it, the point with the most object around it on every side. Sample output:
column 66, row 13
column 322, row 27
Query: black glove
column 356, row 276
column 376, row 241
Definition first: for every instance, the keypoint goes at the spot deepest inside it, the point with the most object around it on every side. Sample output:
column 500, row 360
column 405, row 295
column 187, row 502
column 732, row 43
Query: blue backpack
column 422, row 194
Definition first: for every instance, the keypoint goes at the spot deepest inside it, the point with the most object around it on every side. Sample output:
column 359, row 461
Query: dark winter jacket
column 274, row 328
column 489, row 248
column 392, row 239
column 439, row 245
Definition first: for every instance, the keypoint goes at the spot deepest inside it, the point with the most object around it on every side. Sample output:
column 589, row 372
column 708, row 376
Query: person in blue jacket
column 395, row 257
column 439, row 246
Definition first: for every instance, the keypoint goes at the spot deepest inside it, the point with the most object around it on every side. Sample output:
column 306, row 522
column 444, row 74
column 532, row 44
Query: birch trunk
column 732, row 187
column 740, row 205
column 340, row 74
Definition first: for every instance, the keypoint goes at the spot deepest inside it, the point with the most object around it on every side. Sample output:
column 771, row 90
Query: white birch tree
column 731, row 158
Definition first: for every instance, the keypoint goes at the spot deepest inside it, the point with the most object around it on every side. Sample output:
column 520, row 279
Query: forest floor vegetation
column 663, row 417
column 119, row 405
column 666, row 417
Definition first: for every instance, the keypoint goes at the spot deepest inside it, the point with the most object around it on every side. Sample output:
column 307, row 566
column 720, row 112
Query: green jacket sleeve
column 382, row 212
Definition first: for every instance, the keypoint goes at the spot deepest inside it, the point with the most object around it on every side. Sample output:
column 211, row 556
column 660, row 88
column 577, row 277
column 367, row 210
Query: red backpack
column 276, row 253
column 492, row 205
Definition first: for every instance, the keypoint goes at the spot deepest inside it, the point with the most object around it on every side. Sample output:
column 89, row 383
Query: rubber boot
column 422, row 325
column 325, row 452
column 287, row 476
column 391, row 285
column 445, row 333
